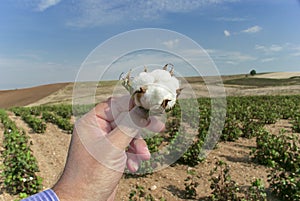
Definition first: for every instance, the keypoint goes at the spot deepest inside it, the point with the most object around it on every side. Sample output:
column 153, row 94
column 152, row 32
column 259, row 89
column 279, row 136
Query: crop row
column 61, row 122
column 36, row 117
column 281, row 152
column 244, row 117
column 37, row 125
column 19, row 164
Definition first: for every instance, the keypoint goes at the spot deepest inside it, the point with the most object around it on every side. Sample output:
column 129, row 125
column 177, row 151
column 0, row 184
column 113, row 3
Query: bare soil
column 22, row 97
column 279, row 75
column 169, row 182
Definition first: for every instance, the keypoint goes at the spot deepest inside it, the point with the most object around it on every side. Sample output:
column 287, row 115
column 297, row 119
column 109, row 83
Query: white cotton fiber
column 142, row 79
column 160, row 75
column 151, row 89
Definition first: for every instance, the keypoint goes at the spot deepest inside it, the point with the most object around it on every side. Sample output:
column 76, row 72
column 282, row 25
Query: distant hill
column 22, row 97
column 278, row 83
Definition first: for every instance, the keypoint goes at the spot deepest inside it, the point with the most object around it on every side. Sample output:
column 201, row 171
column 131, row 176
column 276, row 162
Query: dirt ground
column 279, row 75
column 51, row 148
column 167, row 183
column 22, row 97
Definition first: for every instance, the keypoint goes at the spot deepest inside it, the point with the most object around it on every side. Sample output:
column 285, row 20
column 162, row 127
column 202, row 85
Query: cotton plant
column 153, row 91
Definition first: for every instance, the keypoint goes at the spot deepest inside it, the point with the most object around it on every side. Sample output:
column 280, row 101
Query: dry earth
column 279, row 75
column 50, row 148
column 22, row 97
column 169, row 182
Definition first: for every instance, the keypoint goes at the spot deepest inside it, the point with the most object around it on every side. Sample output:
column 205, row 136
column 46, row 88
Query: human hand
column 97, row 158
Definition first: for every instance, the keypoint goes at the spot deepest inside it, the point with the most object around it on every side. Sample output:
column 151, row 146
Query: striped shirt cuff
column 47, row 195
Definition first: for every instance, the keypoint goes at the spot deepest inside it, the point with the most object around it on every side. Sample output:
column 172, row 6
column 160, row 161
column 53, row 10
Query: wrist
column 64, row 192
column 60, row 193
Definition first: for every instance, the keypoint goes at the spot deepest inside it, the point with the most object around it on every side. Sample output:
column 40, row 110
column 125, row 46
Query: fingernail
column 147, row 155
column 133, row 166
column 146, row 149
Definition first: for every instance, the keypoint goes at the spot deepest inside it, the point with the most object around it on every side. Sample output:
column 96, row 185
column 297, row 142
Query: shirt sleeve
column 47, row 195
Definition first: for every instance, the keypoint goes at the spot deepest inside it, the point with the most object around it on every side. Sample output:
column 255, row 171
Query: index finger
column 112, row 107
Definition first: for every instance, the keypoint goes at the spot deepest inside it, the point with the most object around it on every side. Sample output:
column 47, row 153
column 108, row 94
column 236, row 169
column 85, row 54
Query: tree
column 253, row 72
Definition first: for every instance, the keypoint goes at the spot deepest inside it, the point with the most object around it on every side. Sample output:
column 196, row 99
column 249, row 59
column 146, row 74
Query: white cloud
column 287, row 49
column 269, row 49
column 230, row 57
column 260, row 47
column 276, row 48
column 171, row 43
column 231, row 62
column 210, row 51
column 45, row 4
column 253, row 29
column 227, row 33
column 250, row 30
column 295, row 50
column 268, row 59
column 91, row 13
column 232, row 19
column 296, row 54
column 292, row 49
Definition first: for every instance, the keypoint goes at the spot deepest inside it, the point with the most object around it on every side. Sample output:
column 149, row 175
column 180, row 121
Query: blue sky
column 46, row 41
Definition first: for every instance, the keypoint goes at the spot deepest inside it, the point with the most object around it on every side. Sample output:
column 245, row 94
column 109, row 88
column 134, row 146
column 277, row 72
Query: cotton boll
column 171, row 103
column 152, row 96
column 141, row 80
column 156, row 89
column 155, row 95
column 160, row 75
column 172, row 83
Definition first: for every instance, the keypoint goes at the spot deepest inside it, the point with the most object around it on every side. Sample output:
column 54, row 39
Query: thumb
column 127, row 126
column 109, row 149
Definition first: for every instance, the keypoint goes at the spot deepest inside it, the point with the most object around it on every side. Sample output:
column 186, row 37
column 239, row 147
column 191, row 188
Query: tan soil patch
column 22, row 97
column 279, row 75
column 63, row 95
column 170, row 181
